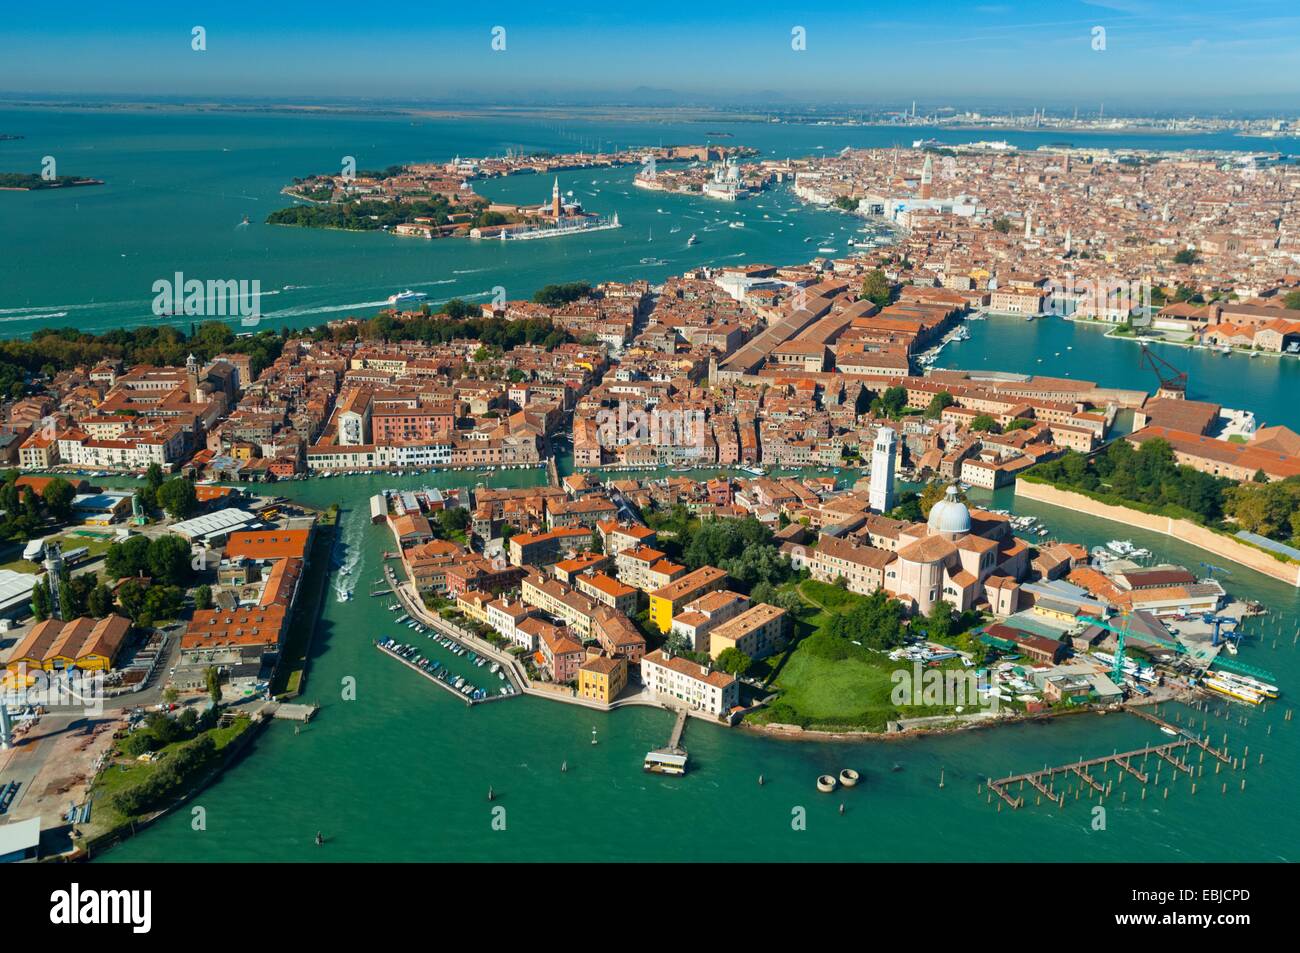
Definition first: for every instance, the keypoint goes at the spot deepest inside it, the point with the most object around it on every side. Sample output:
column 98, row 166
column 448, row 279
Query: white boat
column 693, row 240
column 406, row 297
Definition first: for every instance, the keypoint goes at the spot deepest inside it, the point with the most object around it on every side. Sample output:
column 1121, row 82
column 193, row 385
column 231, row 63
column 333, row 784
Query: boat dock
column 426, row 673
column 284, row 711
column 1085, row 770
column 672, row 758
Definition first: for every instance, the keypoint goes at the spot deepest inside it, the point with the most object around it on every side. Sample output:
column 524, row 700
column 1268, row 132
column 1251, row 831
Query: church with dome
column 958, row 556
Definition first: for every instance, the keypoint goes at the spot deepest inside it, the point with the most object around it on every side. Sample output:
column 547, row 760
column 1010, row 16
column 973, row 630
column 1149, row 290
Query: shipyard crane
column 1211, row 569
column 1173, row 382
column 1121, row 631
column 1225, row 628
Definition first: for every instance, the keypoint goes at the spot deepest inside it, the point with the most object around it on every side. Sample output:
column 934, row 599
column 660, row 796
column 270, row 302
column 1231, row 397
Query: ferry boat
column 1252, row 684
column 406, row 297
column 1232, row 690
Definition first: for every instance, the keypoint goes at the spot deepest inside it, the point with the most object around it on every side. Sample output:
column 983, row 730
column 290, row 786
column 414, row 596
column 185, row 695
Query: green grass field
column 835, row 684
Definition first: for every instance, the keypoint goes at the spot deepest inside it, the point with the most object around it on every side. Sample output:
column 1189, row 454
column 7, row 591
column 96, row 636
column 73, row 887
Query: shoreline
column 1225, row 546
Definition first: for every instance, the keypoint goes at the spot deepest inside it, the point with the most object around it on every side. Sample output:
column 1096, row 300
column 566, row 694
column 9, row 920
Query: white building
column 679, row 682
column 881, row 496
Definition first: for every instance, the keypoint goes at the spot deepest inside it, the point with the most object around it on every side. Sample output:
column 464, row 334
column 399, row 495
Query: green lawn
column 848, row 689
column 125, row 772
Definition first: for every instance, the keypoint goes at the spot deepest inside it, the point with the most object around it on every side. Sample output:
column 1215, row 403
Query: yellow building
column 474, row 604
column 602, row 678
column 757, row 632
column 90, row 645
column 667, row 601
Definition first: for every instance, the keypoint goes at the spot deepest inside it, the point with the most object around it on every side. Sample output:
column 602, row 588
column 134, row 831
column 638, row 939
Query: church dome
column 949, row 516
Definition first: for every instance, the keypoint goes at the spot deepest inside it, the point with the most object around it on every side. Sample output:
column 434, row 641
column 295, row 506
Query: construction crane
column 1121, row 634
column 1173, row 382
column 1225, row 628
column 1211, row 569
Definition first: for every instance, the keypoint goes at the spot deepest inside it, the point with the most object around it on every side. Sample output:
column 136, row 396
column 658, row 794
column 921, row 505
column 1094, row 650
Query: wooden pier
column 284, row 711
column 679, row 727
column 1043, row 780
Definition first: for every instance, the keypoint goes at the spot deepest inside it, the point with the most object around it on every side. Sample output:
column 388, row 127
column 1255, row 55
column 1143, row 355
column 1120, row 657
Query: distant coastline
column 34, row 182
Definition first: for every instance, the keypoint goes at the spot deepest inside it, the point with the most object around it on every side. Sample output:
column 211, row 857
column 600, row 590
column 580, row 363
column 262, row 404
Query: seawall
column 1224, row 547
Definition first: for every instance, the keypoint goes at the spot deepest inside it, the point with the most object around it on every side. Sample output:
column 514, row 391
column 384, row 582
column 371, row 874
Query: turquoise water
column 403, row 772
column 179, row 183
column 1060, row 348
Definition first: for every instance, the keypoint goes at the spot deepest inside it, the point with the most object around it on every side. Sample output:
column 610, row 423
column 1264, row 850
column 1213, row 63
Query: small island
column 437, row 200
column 33, row 181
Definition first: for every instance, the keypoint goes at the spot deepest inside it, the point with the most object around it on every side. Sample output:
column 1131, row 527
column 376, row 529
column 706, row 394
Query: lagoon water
column 403, row 771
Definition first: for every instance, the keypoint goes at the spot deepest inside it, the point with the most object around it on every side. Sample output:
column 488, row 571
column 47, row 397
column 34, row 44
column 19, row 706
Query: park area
column 837, row 675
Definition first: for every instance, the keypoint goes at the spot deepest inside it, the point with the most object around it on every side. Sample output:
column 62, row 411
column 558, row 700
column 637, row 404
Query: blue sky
column 1234, row 54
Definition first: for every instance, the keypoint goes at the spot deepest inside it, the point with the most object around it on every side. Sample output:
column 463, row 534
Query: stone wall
column 1224, row 547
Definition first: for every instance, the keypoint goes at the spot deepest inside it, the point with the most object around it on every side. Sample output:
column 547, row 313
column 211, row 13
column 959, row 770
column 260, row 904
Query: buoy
column 491, row 794
column 760, row 780
column 564, row 766
column 841, row 809
column 320, row 839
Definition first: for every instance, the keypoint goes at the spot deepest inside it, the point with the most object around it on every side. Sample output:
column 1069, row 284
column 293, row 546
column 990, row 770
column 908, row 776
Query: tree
column 203, row 597
column 933, row 492
column 1186, row 256
column 733, row 661
column 984, row 423
column 212, row 678
column 74, row 594
column 876, row 288
column 939, row 621
column 41, row 600
column 937, row 404
column 178, row 498
column 1292, row 301
column 131, row 598
column 127, row 558
column 453, row 519
column 100, row 601
column 1002, row 225
column 57, row 496
column 169, row 559
column 597, row 542
column 891, row 403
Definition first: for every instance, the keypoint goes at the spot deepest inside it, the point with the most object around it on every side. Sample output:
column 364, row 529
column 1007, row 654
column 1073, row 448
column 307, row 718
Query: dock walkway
column 1043, row 779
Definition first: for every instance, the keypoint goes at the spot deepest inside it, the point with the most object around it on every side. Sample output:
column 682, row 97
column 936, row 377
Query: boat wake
column 347, row 556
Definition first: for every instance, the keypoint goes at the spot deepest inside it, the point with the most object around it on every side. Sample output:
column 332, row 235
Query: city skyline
column 1074, row 54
